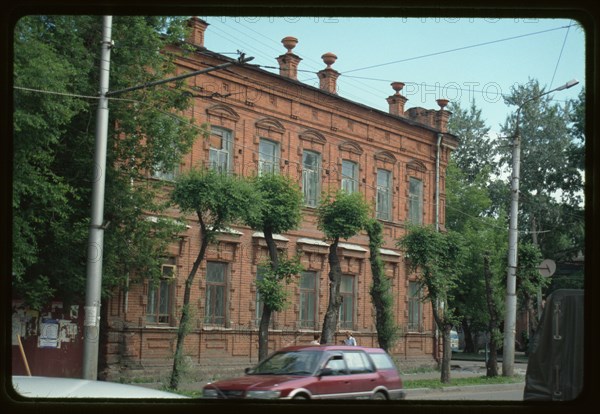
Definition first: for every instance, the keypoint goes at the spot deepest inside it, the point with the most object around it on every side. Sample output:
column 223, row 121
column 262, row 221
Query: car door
column 363, row 375
column 333, row 382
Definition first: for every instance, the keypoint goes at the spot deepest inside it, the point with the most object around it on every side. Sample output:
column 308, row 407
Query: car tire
column 300, row 397
column 379, row 395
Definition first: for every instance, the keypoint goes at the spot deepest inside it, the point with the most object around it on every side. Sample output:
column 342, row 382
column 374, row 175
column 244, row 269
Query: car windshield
column 288, row 363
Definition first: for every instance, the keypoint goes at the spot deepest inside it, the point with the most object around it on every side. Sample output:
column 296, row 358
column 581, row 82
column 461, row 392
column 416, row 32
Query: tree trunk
column 183, row 322
column 263, row 333
column 445, row 328
column 491, row 367
column 265, row 319
column 492, row 362
column 468, row 337
column 447, row 354
column 335, row 300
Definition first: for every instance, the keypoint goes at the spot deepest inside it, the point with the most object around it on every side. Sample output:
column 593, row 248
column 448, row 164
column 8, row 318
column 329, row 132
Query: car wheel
column 380, row 396
column 300, row 397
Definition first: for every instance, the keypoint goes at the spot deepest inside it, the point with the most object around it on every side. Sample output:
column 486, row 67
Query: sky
column 459, row 59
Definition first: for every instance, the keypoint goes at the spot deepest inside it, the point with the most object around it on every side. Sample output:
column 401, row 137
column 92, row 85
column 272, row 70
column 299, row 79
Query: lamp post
column 508, row 357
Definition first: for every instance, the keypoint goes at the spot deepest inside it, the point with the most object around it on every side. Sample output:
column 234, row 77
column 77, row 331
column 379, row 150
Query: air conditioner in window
column 168, row 271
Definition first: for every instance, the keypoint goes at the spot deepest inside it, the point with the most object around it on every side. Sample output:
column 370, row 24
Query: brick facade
column 252, row 104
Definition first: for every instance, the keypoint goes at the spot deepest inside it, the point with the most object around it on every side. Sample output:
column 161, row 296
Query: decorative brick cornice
column 223, row 111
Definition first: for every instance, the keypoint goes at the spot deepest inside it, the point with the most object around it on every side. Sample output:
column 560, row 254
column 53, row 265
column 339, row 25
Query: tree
column 279, row 212
column 476, row 150
column 381, row 289
column 340, row 216
column 438, row 259
column 551, row 170
column 493, row 308
column 218, row 200
column 56, row 61
column 471, row 212
column 529, row 283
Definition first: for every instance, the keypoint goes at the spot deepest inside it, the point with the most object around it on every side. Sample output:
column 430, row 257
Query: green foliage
column 438, row 258
column 529, row 278
column 381, row 289
column 342, row 215
column 476, row 149
column 281, row 204
column 218, row 199
column 273, row 292
column 551, row 176
column 467, row 199
column 54, row 146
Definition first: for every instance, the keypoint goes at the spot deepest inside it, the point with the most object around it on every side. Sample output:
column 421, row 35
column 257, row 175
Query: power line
column 559, row 56
column 398, row 196
column 457, row 49
column 72, row 95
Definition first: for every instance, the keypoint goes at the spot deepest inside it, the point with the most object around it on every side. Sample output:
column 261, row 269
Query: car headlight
column 263, row 394
column 210, row 393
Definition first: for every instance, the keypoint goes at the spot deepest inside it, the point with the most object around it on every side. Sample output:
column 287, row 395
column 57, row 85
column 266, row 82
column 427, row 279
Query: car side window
column 337, row 366
column 358, row 362
column 382, row 361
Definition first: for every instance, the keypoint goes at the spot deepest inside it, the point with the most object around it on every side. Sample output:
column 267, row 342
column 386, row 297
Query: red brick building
column 261, row 121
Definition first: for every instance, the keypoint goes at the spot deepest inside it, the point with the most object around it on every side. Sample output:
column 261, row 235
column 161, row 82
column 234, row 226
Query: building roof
column 257, row 68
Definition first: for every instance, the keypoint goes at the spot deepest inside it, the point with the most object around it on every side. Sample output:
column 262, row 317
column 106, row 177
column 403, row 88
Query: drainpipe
column 436, row 353
column 437, row 182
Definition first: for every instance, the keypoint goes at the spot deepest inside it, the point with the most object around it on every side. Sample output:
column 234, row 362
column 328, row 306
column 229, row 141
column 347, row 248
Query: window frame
column 269, row 166
column 160, row 174
column 311, row 179
column 303, row 306
column 158, row 313
column 350, row 183
column 414, row 307
column 384, row 193
column 227, row 142
column 212, row 288
column 347, row 297
column 415, row 201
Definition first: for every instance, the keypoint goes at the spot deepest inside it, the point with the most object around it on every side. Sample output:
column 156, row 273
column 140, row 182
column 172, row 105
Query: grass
column 482, row 380
column 458, row 356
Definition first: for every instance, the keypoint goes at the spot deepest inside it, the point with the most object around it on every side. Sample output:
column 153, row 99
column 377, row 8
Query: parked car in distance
column 316, row 372
column 51, row 387
column 454, row 340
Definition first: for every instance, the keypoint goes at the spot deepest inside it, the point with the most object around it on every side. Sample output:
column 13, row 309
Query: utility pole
column 510, row 319
column 91, row 323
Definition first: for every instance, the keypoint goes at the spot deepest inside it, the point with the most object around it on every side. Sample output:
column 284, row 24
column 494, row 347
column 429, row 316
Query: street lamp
column 508, row 357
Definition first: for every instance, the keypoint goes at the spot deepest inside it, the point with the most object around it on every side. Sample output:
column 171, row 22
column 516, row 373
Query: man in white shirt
column 349, row 339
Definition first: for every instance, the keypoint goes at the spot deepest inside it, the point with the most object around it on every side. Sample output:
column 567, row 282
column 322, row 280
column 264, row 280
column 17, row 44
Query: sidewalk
column 462, row 369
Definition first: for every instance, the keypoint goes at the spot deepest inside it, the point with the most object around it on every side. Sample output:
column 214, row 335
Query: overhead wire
column 236, row 40
column 365, row 185
column 458, row 49
column 369, row 90
column 559, row 56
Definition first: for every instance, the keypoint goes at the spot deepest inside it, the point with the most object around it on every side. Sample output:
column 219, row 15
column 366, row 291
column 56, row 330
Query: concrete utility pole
column 510, row 320
column 91, row 323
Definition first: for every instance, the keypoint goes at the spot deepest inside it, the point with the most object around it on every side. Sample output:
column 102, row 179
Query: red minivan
column 316, row 372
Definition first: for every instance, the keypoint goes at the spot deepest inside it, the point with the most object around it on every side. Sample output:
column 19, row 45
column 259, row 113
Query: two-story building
column 262, row 121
